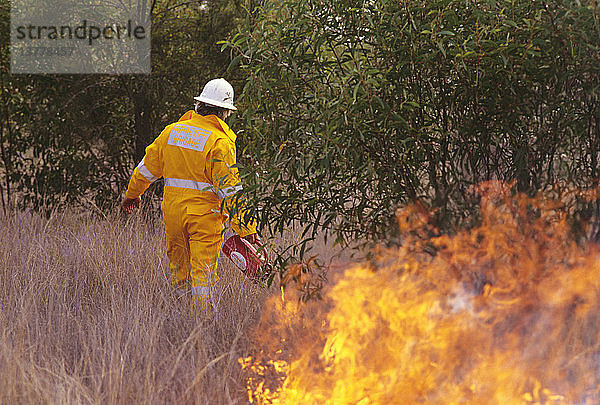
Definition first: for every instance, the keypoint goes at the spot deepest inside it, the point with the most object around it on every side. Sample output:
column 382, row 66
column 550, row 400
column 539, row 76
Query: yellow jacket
column 195, row 156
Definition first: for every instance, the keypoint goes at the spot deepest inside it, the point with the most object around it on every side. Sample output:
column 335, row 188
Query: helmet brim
column 215, row 103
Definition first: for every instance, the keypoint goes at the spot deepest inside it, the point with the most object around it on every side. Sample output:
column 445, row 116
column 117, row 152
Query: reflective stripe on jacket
column 196, row 156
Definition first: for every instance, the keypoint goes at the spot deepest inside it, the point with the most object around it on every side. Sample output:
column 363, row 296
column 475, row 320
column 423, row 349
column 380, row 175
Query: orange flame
column 505, row 313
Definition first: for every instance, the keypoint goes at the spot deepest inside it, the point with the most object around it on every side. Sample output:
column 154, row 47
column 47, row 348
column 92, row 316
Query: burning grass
column 505, row 313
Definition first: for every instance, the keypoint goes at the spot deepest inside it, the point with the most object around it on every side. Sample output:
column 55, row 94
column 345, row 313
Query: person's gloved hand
column 129, row 204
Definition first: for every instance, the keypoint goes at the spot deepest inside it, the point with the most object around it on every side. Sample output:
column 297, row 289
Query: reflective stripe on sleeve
column 145, row 172
column 226, row 192
column 191, row 184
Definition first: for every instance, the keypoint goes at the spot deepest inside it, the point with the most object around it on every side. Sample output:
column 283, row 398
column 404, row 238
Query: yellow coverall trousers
column 194, row 239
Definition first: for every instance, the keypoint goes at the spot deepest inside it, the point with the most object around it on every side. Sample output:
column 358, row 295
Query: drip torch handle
column 262, row 250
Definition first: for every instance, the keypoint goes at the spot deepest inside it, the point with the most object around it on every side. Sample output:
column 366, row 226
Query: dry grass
column 88, row 316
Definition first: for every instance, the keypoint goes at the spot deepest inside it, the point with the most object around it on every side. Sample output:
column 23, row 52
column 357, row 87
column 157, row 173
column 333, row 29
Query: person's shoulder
column 228, row 132
column 218, row 127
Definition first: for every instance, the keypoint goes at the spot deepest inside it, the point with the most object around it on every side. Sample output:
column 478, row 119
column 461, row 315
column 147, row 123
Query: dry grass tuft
column 88, row 316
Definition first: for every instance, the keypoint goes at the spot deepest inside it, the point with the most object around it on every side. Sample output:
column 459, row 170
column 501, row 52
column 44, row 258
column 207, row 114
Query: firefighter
column 196, row 156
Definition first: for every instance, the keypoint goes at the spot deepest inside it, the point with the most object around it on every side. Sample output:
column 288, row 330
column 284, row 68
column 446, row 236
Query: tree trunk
column 143, row 120
column 5, row 128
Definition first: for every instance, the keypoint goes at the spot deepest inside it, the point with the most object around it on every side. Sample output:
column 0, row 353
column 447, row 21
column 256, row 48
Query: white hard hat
column 217, row 92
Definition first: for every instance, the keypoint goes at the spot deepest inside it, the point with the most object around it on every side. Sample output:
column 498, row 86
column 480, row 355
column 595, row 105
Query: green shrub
column 354, row 108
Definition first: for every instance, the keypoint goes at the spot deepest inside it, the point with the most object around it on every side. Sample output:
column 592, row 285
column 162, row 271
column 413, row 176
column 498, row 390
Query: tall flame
column 505, row 313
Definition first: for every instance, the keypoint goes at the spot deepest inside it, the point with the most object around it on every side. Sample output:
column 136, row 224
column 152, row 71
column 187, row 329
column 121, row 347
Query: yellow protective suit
column 195, row 156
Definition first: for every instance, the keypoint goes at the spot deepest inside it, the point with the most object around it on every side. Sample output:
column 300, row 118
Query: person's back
column 196, row 157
